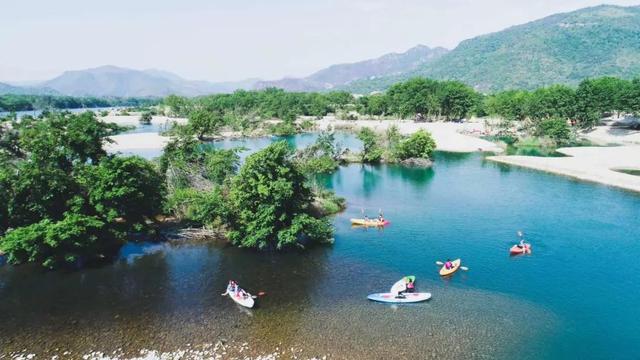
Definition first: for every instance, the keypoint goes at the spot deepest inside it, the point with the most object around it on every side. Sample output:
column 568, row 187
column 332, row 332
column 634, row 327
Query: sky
column 228, row 40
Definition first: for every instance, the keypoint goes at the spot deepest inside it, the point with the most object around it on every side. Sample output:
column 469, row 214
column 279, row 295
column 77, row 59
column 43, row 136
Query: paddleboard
column 391, row 298
column 456, row 265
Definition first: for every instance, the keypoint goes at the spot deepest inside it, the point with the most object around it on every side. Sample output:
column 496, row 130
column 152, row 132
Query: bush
column 284, row 128
column 202, row 207
column 419, row 145
column 556, row 129
column 220, row 164
column 63, row 243
column 145, row 118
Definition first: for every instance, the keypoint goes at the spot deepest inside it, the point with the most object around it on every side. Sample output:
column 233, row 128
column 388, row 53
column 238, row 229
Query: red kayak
column 517, row 250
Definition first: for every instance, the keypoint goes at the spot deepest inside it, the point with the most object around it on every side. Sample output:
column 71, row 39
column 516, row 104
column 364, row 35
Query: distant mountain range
column 116, row 81
column 337, row 76
column 26, row 90
column 563, row 48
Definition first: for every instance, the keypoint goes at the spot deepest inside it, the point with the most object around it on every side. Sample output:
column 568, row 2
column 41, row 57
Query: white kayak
column 242, row 298
column 408, row 297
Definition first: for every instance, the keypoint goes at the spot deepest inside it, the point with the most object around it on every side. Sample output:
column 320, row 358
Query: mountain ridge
column 563, row 48
column 342, row 74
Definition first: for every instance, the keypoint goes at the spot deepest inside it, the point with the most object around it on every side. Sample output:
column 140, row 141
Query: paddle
column 260, row 293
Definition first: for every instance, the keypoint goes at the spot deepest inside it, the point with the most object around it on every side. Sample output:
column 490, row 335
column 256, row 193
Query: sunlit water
column 576, row 296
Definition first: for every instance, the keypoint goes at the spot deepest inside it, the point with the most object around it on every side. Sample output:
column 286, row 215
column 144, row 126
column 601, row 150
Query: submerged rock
column 417, row 162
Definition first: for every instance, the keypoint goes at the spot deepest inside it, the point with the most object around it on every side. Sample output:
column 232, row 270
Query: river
column 576, row 296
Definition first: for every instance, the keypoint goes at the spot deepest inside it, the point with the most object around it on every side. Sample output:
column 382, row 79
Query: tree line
column 585, row 105
column 12, row 102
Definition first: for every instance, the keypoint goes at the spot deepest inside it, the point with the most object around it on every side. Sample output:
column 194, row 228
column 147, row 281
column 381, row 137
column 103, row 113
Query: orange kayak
column 456, row 265
column 517, row 250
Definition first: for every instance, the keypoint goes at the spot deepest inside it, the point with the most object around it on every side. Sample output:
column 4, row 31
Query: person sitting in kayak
column 411, row 287
column 522, row 244
column 232, row 287
column 381, row 218
column 448, row 265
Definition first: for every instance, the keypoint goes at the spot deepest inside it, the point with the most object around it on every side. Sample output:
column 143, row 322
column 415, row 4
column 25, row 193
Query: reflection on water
column 552, row 304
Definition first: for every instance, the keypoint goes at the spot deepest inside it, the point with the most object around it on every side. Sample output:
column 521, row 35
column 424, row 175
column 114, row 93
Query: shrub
column 419, row 145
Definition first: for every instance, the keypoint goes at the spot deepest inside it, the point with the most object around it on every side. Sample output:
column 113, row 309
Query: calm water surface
column 576, row 296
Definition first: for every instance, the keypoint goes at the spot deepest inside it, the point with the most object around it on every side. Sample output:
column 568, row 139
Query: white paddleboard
column 391, row 298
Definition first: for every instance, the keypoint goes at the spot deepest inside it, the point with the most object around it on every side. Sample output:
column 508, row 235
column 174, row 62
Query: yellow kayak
column 363, row 222
column 456, row 265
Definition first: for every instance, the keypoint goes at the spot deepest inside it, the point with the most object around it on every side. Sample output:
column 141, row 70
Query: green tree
column 220, row 164
column 371, row 150
column 66, row 200
column 556, row 129
column 456, row 99
column 125, row 188
column 511, row 105
column 55, row 244
column 419, row 145
column 204, row 122
column 145, row 118
column 270, row 203
column 203, row 207
column 557, row 101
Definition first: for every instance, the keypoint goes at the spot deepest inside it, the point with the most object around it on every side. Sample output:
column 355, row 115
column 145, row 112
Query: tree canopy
column 270, row 203
column 65, row 201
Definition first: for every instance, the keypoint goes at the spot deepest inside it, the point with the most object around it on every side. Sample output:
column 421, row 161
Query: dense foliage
column 323, row 156
column 447, row 100
column 586, row 105
column 420, row 145
column 11, row 102
column 371, row 150
column 270, row 202
column 64, row 199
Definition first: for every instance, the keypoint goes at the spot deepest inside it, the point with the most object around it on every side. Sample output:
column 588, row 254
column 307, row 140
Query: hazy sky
column 236, row 39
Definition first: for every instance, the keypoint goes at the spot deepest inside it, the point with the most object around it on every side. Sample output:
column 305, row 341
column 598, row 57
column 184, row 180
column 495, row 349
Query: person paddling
column 522, row 244
column 448, row 265
column 411, row 287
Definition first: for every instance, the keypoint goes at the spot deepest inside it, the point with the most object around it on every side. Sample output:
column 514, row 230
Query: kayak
column 363, row 222
column 401, row 284
column 391, row 298
column 246, row 300
column 456, row 265
column 517, row 250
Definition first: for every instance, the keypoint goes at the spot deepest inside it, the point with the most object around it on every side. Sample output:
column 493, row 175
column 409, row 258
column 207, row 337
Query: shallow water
column 563, row 301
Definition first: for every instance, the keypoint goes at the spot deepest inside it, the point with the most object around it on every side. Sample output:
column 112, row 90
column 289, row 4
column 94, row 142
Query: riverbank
column 449, row 137
column 594, row 164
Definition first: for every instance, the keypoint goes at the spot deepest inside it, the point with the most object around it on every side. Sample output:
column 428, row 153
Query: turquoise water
column 576, row 296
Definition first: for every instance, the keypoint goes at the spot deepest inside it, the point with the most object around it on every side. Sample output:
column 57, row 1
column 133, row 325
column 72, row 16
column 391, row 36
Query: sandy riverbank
column 134, row 120
column 595, row 164
column 137, row 142
column 448, row 136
